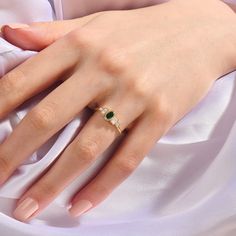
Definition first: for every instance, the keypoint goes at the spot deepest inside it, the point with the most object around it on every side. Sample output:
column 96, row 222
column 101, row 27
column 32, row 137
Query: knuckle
column 46, row 189
column 128, row 165
column 100, row 189
column 5, row 167
column 138, row 89
column 48, row 35
column 80, row 39
column 42, row 118
column 86, row 151
column 127, row 83
column 112, row 61
column 104, row 86
column 10, row 83
column 107, row 85
column 162, row 112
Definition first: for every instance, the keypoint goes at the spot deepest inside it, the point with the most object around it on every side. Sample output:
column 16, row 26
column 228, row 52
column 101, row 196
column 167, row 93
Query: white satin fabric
column 185, row 186
column 67, row 9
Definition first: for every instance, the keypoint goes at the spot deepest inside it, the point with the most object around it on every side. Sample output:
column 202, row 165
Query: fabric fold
column 188, row 175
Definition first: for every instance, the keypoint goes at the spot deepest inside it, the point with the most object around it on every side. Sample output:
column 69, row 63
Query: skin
column 152, row 68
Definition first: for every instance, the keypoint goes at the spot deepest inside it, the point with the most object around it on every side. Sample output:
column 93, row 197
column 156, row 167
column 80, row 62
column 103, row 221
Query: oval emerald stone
column 109, row 115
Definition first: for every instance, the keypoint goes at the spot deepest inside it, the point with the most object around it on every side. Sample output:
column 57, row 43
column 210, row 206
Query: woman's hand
column 151, row 66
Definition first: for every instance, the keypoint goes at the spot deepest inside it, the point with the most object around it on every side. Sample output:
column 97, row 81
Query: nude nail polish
column 80, row 207
column 18, row 26
column 25, row 209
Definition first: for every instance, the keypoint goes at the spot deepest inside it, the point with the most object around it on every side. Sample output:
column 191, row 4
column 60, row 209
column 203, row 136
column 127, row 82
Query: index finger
column 36, row 74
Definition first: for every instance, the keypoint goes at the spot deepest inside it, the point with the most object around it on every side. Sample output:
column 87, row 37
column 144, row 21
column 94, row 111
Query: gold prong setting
column 109, row 115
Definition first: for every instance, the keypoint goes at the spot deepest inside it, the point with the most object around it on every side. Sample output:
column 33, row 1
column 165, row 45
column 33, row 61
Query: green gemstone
column 109, row 115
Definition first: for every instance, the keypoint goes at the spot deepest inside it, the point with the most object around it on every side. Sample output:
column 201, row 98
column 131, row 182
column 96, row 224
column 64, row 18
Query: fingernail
column 11, row 27
column 80, row 207
column 25, row 209
column 18, row 26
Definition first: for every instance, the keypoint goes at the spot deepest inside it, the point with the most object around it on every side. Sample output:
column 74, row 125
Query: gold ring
column 109, row 116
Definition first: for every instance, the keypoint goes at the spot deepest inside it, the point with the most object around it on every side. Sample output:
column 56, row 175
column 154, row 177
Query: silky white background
column 186, row 185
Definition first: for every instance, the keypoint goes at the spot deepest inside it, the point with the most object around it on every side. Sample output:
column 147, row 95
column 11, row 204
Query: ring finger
column 92, row 140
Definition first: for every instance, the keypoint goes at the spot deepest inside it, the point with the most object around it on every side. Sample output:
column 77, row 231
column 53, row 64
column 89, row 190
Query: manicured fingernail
column 18, row 26
column 14, row 26
column 25, row 209
column 80, row 207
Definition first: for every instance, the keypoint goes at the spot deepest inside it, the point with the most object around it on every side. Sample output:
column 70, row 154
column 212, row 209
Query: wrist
column 215, row 27
column 211, row 30
column 230, row 37
column 222, row 21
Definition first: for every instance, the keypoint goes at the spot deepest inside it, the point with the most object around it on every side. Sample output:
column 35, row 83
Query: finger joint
column 42, row 118
column 86, row 151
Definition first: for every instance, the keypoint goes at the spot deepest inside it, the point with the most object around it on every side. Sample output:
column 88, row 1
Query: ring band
column 109, row 116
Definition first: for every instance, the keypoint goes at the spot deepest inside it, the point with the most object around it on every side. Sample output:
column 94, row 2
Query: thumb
column 37, row 36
